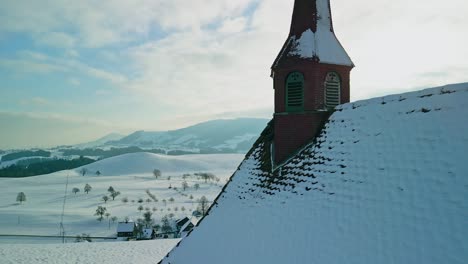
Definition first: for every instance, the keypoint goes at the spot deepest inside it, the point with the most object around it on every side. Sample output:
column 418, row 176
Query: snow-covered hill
column 144, row 163
column 230, row 135
column 385, row 182
column 101, row 141
column 141, row 252
column 129, row 174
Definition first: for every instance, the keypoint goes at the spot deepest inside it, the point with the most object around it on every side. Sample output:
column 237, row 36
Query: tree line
column 46, row 167
column 25, row 154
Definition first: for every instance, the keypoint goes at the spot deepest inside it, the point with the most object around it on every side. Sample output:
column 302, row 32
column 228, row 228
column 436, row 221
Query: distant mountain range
column 212, row 137
column 223, row 135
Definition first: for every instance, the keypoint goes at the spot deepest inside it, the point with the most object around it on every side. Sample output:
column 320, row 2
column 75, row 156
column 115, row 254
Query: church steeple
column 312, row 37
column 307, row 13
column 310, row 77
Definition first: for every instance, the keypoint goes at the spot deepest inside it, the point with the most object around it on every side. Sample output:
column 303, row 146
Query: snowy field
column 140, row 252
column 130, row 174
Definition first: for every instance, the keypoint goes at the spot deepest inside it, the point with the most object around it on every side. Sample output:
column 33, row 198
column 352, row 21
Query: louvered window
column 332, row 90
column 295, row 92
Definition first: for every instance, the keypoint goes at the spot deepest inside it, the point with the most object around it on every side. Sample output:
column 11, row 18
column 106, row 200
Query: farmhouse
column 126, row 229
column 184, row 226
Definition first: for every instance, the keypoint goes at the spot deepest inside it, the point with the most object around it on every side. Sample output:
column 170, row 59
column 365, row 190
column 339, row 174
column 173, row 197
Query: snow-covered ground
column 386, row 182
column 140, row 252
column 130, row 174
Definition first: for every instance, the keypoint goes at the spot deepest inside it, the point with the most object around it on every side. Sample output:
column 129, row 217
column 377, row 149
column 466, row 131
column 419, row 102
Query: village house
column 148, row 233
column 184, row 226
column 126, row 229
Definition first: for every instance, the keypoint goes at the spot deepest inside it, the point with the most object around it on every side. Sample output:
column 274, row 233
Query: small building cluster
column 130, row 230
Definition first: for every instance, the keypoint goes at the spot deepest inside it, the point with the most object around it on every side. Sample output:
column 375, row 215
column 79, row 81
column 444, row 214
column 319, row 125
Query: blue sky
column 72, row 71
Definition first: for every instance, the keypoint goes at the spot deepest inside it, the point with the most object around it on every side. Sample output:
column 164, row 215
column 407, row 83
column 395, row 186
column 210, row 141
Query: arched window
column 332, row 90
column 295, row 92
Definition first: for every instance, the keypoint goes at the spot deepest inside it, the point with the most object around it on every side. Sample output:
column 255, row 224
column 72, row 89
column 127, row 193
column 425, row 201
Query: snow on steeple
column 312, row 37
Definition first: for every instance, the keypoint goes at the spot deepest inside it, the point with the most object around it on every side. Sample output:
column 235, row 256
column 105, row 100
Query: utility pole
column 62, row 229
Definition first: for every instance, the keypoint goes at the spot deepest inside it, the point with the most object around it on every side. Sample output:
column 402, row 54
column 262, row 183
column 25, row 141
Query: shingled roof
column 385, row 182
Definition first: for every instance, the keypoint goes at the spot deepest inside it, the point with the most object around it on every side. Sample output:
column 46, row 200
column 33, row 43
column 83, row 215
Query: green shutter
column 332, row 90
column 295, row 92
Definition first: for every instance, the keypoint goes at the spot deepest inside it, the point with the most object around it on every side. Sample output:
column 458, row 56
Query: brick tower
column 310, row 77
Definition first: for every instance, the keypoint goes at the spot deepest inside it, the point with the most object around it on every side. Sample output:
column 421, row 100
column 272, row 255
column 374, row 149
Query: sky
column 73, row 71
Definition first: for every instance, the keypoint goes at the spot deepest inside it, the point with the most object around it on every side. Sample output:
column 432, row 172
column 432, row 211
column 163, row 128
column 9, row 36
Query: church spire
column 310, row 78
column 310, row 14
column 312, row 37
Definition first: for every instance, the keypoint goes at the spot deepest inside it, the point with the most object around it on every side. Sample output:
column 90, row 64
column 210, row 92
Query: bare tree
column 87, row 188
column 157, row 173
column 100, row 211
column 105, row 198
column 147, row 217
column 21, row 197
column 83, row 171
column 207, row 176
column 184, row 185
column 108, row 220
column 75, row 190
column 166, row 225
column 196, row 186
column 114, row 194
column 203, row 205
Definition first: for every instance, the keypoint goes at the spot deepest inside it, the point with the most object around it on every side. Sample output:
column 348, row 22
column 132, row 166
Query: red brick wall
column 292, row 131
column 314, row 77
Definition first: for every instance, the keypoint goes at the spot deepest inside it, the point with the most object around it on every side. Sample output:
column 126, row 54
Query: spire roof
column 312, row 37
column 310, row 14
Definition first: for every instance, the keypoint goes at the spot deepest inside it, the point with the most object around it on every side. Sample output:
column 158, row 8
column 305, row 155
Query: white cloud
column 396, row 43
column 74, row 81
column 204, row 72
column 233, row 25
column 35, row 62
column 56, row 39
column 100, row 23
column 191, row 70
column 27, row 66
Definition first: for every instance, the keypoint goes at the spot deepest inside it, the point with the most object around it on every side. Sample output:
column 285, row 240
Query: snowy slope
column 385, row 182
column 101, row 141
column 141, row 252
column 138, row 163
column 129, row 174
column 230, row 135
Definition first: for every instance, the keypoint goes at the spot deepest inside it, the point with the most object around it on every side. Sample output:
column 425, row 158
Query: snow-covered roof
column 385, row 182
column 147, row 232
column 182, row 221
column 322, row 44
column 187, row 226
column 125, row 227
